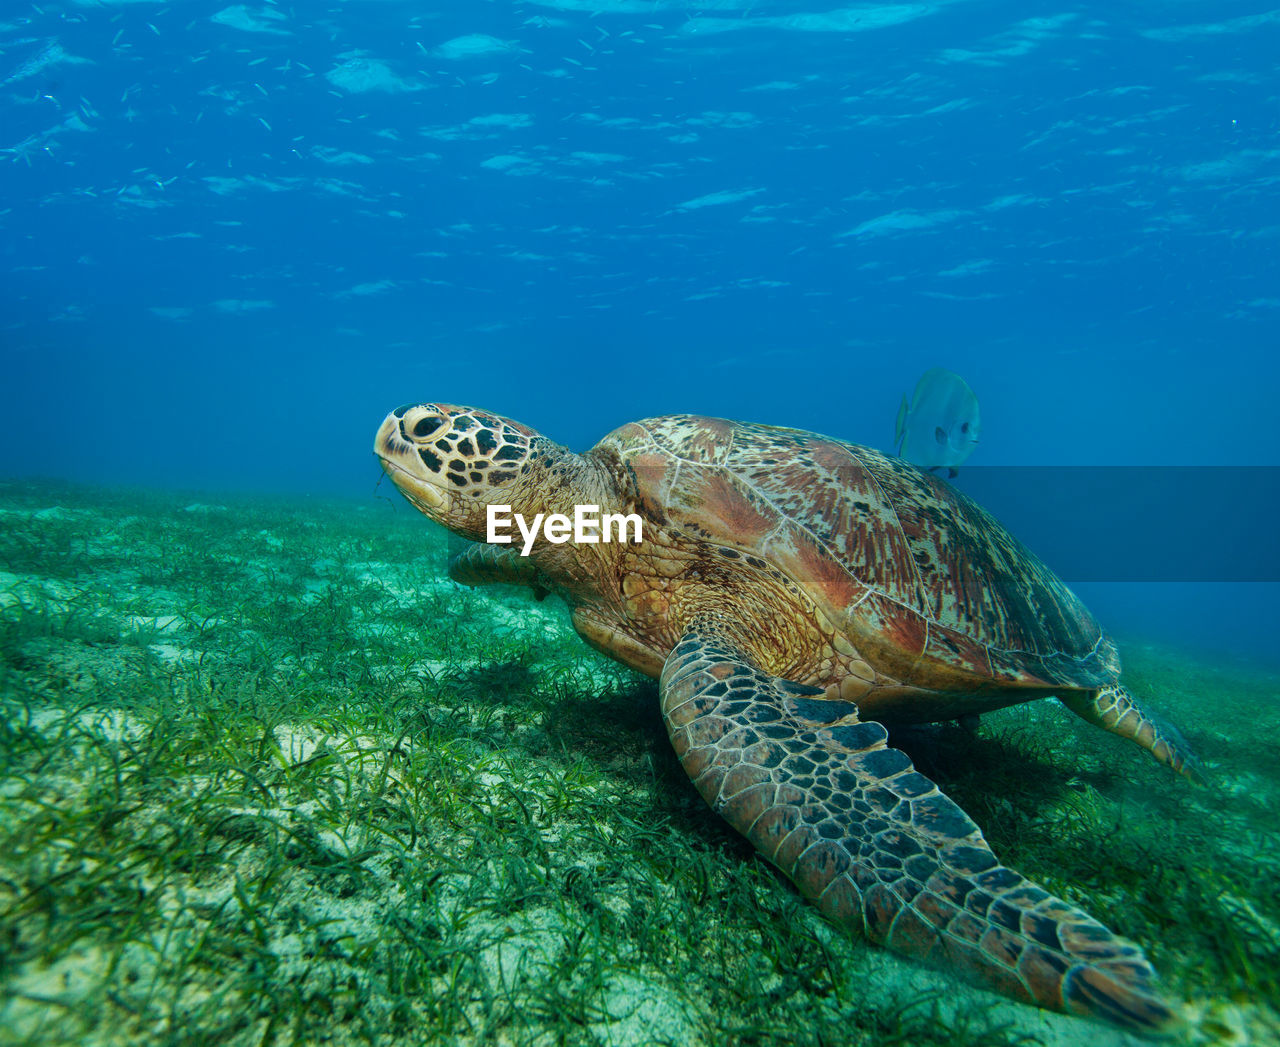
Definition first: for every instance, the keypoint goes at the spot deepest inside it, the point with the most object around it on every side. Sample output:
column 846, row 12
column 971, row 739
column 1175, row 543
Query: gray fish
column 941, row 425
column 48, row 55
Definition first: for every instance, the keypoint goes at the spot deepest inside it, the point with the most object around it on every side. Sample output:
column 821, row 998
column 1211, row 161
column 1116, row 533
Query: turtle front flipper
column 484, row 564
column 876, row 845
column 1115, row 709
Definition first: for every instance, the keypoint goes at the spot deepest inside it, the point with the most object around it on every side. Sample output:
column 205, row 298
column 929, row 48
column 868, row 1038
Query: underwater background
column 234, row 236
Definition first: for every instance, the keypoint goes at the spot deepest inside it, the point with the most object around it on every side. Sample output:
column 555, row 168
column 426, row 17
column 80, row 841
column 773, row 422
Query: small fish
column 941, row 425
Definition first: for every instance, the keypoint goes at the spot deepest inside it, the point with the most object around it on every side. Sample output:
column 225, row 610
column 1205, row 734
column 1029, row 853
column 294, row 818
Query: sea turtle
column 793, row 592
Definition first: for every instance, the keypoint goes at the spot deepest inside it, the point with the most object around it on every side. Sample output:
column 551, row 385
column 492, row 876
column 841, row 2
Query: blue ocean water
column 233, row 237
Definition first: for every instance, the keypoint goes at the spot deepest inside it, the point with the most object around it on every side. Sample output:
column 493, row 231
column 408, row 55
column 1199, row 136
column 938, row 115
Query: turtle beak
column 400, row 461
column 390, row 443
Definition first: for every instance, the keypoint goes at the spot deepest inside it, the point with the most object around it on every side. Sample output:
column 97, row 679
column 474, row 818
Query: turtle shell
column 926, row 583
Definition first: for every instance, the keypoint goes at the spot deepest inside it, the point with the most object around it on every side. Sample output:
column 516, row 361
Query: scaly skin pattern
column 791, row 591
column 1114, row 709
column 876, row 846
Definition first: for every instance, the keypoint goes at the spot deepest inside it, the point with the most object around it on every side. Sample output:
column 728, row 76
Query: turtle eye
column 427, row 425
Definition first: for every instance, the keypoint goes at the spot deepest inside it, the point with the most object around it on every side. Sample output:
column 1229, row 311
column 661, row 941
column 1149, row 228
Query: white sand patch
column 526, row 952
column 168, row 623
column 28, row 589
column 641, row 1010
column 171, row 654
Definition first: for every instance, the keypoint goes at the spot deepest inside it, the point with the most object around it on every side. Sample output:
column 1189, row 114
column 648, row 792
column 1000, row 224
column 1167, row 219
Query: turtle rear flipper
column 1115, row 709
column 876, row 845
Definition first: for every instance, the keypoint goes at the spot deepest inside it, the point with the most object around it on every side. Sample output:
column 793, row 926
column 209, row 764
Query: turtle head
column 452, row 462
